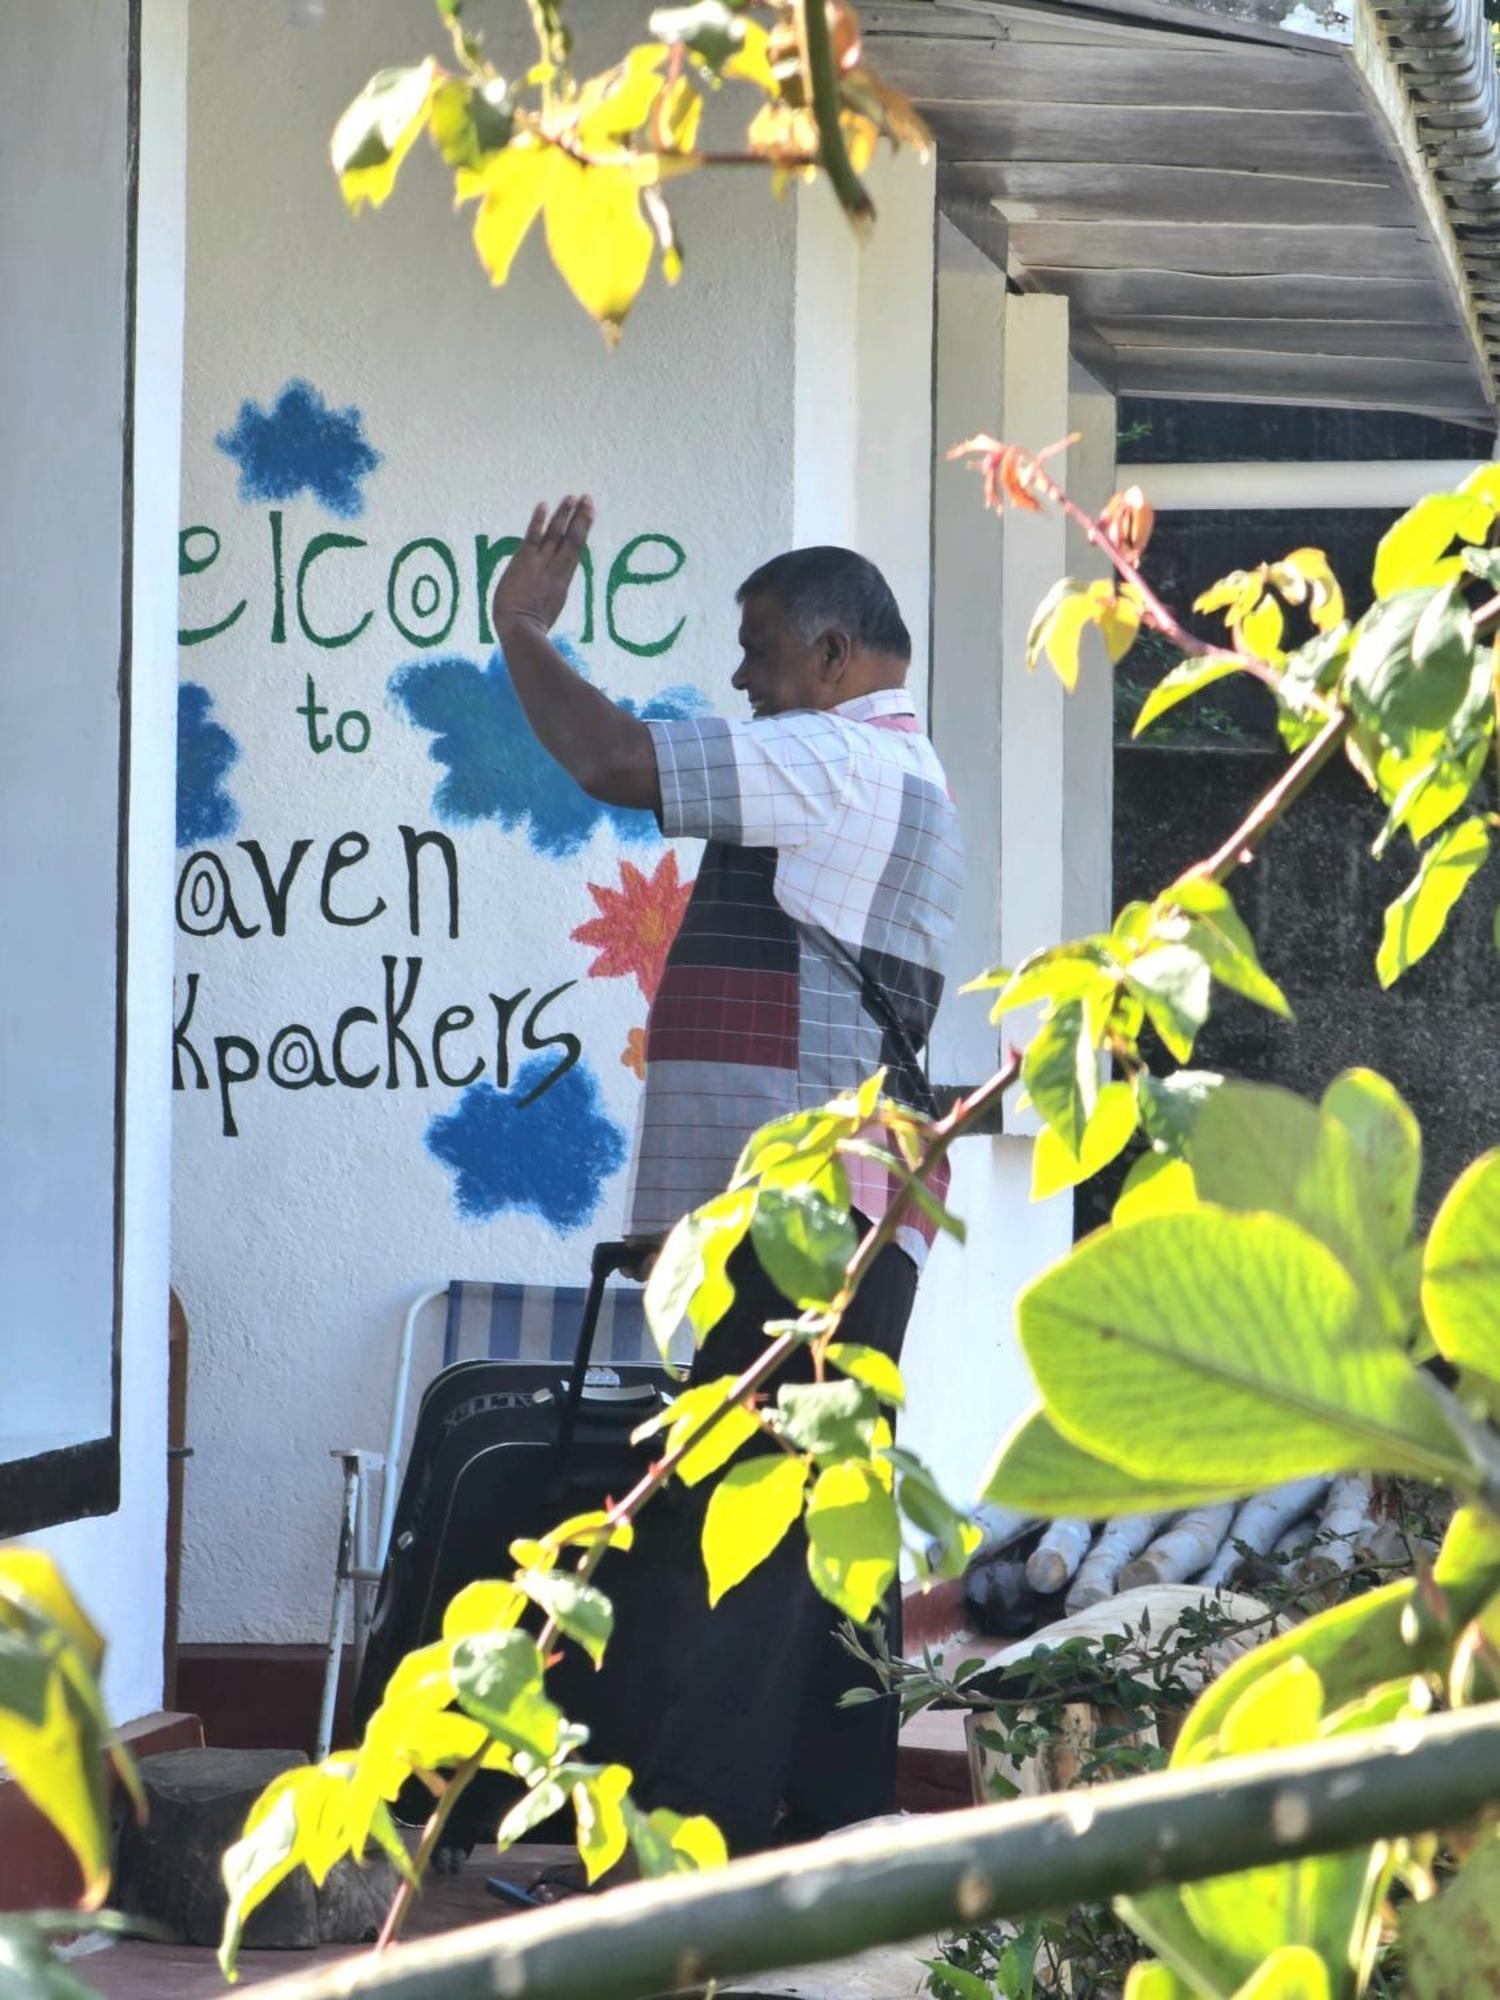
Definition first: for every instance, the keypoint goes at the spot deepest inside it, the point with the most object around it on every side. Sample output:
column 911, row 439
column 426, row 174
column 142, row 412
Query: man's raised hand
column 534, row 584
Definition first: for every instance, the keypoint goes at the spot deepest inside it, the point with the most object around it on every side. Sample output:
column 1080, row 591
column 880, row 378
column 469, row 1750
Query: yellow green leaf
column 483, row 1607
column 619, row 102
column 1055, row 1166
column 749, row 1512
column 52, row 1743
column 1415, row 921
column 1184, row 680
column 1411, row 554
column 869, row 1365
column 600, row 241
column 31, row 1583
column 598, row 1803
column 854, row 1538
column 513, row 185
column 1155, row 1185
column 692, row 1409
column 378, row 130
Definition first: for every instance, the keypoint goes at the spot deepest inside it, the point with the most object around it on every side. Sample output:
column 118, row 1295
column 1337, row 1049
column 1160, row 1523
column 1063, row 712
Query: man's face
column 776, row 670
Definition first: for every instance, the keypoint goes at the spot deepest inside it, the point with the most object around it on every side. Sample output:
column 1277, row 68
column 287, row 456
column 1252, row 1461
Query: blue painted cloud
column 550, row 1158
column 298, row 446
column 497, row 770
column 205, row 751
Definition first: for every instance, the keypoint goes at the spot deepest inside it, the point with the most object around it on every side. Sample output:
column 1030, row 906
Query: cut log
column 1258, row 1523
column 1346, row 1525
column 1000, row 1528
column 1055, row 1559
column 1183, row 1549
column 1119, row 1540
column 1000, row 1602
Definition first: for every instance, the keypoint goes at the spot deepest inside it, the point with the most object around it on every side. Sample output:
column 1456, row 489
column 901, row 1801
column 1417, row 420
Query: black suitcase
column 503, row 1449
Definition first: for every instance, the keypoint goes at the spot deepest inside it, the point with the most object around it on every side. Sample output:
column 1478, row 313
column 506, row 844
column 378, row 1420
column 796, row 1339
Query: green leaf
column 1184, row 680
column 1388, row 1144
column 599, row 1805
column 1292, row 1972
column 1038, row 1471
column 868, row 1365
column 545, row 1798
column 854, row 1539
column 1257, row 1146
column 52, row 1742
column 1174, row 982
column 378, row 130
column 581, row 1613
column 1151, row 1980
column 497, row 1678
column 1316, row 1902
column 1415, row 921
column 693, row 1408
column 828, row 1419
column 1367, row 1640
column 1059, row 1071
column 1170, row 1106
column 483, row 1607
column 1425, row 790
column 1452, row 1941
column 667, row 1844
column 1411, row 553
column 1222, row 1348
column 799, row 1147
column 804, row 1244
column 749, row 1512
column 1461, row 1269
column 1055, row 1167
column 1219, row 935
column 1410, row 666
column 1155, row 1185
column 689, row 1279
column 953, row 1536
column 1158, row 1917
column 1060, row 972
column 261, row 1859
column 952, row 1982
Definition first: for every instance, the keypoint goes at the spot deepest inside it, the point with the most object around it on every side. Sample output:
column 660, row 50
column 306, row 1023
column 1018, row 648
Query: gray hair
column 832, row 590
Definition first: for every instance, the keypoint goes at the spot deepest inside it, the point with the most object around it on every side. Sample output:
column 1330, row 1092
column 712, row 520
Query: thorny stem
column 1241, row 845
column 815, row 45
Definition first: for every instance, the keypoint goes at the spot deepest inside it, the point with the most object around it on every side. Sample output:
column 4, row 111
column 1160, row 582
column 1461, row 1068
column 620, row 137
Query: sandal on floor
column 551, row 1885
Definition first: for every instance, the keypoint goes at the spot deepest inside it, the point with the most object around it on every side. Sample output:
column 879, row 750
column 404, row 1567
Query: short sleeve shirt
column 811, row 949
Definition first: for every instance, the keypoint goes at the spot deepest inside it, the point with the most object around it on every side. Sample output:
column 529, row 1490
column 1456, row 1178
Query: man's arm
column 608, row 752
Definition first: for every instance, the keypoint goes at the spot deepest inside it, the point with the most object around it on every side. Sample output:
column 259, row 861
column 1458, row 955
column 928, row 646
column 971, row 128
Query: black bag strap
column 879, row 1003
column 607, row 1259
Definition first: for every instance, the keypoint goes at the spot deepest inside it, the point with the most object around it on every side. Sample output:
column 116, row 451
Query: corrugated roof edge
column 1431, row 67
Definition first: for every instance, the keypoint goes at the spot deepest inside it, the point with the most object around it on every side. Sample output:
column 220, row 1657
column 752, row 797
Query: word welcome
column 424, row 592
column 390, row 1044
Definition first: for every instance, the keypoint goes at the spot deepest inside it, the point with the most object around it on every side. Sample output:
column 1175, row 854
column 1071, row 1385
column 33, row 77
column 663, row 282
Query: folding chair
column 502, row 1321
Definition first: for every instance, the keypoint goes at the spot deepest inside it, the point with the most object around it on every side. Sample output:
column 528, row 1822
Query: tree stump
column 169, row 1869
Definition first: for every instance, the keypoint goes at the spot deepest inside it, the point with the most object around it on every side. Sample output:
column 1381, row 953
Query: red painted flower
column 636, row 923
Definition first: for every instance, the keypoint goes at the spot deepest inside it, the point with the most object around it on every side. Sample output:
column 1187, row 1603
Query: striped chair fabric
column 508, row 1322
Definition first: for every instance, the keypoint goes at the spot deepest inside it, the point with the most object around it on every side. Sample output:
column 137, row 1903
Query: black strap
column 608, row 1258
column 878, row 1001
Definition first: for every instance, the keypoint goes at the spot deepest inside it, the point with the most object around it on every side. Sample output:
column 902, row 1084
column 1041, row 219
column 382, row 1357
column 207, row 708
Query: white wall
column 117, row 1563
column 723, row 422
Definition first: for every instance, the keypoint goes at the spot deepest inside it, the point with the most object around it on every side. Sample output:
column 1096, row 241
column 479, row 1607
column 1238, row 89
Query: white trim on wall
column 1329, row 482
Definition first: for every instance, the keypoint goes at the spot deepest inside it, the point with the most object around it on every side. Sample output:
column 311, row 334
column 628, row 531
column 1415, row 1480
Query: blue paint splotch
column 205, row 753
column 495, row 767
column 550, row 1157
column 300, row 445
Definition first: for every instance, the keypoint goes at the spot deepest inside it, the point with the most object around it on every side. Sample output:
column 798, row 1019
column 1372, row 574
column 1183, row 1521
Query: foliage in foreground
column 1262, row 1308
column 590, row 158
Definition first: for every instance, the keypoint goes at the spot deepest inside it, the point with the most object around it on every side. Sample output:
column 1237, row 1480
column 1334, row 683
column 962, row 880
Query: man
column 808, row 956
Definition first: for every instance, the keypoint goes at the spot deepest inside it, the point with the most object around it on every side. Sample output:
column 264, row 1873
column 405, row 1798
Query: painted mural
column 449, row 939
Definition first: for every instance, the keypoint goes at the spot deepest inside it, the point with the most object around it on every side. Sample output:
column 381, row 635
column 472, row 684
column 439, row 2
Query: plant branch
column 816, row 47
column 885, row 1885
column 1241, row 845
column 432, row 1833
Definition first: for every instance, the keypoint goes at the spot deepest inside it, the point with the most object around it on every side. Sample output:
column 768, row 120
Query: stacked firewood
column 1307, row 1534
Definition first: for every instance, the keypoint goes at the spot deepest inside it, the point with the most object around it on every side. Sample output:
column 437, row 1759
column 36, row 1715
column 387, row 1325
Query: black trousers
column 734, row 1711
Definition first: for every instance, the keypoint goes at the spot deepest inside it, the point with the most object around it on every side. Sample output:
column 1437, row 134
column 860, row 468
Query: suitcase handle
column 607, row 1258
